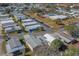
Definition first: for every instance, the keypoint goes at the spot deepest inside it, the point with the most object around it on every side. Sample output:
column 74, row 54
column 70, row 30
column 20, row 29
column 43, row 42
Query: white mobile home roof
column 58, row 17
column 5, row 19
column 8, row 26
column 32, row 27
column 4, row 15
column 66, row 37
column 19, row 15
column 49, row 38
column 8, row 29
column 9, row 21
column 27, row 20
column 30, row 23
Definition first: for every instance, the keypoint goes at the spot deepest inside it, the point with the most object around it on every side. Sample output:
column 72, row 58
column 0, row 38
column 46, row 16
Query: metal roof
column 29, row 23
column 8, row 21
column 49, row 38
column 4, row 15
column 19, row 16
column 58, row 17
column 14, row 44
column 32, row 27
column 32, row 41
column 27, row 20
column 66, row 37
column 8, row 25
column 9, row 29
column 5, row 19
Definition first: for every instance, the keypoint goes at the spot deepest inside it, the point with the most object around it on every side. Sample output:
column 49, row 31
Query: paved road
column 1, row 34
column 1, row 41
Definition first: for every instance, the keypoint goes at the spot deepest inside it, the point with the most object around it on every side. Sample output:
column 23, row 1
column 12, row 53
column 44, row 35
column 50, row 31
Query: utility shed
column 14, row 46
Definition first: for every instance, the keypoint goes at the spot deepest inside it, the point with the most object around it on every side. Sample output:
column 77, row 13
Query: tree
column 36, row 10
column 20, row 20
column 53, row 50
column 56, row 44
column 70, row 28
column 21, row 38
column 72, row 51
column 59, row 22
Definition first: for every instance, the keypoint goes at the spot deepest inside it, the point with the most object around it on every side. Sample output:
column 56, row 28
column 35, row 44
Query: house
column 33, row 27
column 31, row 24
column 38, row 41
column 6, row 22
column 75, row 10
column 53, row 17
column 49, row 38
column 9, row 25
column 32, row 42
column 14, row 47
column 5, row 18
column 27, row 20
column 61, row 10
column 65, row 37
column 10, row 29
column 4, row 15
column 19, row 16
